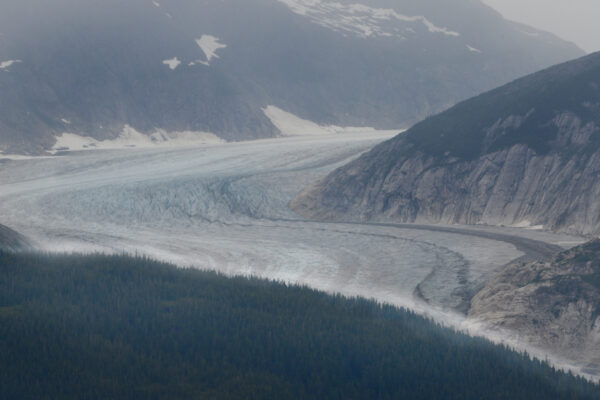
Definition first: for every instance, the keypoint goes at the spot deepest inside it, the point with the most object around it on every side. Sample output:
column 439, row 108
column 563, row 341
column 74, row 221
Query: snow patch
column 359, row 19
column 7, row 64
column 18, row 157
column 172, row 63
column 131, row 138
column 292, row 125
column 65, row 121
column 156, row 3
column 209, row 45
column 473, row 49
column 527, row 225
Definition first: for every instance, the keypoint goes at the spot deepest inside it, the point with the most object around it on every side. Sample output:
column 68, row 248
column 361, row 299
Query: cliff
column 527, row 153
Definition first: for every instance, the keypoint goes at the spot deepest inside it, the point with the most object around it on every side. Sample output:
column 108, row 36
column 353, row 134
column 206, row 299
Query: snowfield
column 130, row 138
column 361, row 20
column 292, row 125
column 209, row 45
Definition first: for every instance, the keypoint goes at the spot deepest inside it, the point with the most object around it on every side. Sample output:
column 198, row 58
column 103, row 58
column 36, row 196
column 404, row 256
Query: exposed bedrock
column 514, row 186
column 525, row 154
column 554, row 305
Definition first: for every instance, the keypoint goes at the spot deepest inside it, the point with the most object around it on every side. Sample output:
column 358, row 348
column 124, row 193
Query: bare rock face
column 525, row 154
column 13, row 241
column 514, row 186
column 553, row 305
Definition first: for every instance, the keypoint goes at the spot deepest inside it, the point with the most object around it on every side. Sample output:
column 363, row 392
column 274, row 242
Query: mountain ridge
column 525, row 154
column 212, row 67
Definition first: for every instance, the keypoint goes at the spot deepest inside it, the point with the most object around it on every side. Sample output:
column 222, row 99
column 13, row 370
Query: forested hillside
column 75, row 327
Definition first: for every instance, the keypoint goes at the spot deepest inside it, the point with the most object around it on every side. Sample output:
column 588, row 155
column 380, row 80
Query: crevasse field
column 225, row 207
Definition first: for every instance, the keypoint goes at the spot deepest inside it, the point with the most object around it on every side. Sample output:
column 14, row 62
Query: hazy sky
column 574, row 20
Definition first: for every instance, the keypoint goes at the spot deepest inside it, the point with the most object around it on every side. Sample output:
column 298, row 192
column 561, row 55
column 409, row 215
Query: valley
column 224, row 207
column 297, row 199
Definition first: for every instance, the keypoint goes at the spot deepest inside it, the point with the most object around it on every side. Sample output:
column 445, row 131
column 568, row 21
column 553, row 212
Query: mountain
column 13, row 241
column 554, row 305
column 525, row 154
column 101, row 73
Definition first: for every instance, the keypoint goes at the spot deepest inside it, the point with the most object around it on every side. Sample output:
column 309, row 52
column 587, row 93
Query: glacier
column 224, row 206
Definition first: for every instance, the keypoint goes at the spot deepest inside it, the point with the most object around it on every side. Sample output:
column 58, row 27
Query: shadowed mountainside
column 174, row 69
column 527, row 153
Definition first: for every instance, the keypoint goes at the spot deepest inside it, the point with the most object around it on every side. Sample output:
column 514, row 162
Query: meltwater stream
column 225, row 207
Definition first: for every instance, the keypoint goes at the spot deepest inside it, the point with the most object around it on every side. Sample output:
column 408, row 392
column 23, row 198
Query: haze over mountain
column 526, row 154
column 575, row 20
column 183, row 70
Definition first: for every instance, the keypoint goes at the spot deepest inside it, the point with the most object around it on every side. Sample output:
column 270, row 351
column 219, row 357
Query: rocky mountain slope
column 161, row 70
column 12, row 241
column 525, row 154
column 553, row 305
